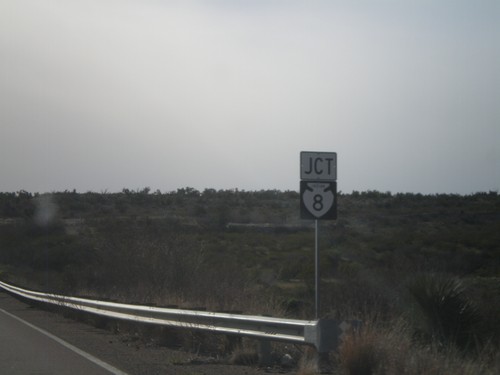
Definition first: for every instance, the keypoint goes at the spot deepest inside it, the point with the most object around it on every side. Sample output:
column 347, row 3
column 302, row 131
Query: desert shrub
column 359, row 353
column 389, row 349
column 244, row 356
column 447, row 316
column 309, row 363
column 485, row 294
column 158, row 261
column 138, row 256
column 359, row 293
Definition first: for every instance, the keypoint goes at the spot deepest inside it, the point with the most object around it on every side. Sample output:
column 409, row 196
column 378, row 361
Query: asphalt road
column 28, row 349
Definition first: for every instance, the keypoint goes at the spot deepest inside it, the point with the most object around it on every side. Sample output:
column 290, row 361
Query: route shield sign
column 318, row 200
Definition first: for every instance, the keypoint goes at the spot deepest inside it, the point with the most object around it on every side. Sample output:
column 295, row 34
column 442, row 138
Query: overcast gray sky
column 110, row 94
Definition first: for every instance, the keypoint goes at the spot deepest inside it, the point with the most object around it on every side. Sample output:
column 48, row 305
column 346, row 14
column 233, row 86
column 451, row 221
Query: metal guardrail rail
column 322, row 334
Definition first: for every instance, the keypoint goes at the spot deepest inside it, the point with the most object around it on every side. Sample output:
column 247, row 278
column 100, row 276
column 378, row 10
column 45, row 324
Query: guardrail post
column 327, row 334
column 264, row 352
column 324, row 335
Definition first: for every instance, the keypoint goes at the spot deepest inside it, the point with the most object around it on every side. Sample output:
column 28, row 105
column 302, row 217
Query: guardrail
column 323, row 334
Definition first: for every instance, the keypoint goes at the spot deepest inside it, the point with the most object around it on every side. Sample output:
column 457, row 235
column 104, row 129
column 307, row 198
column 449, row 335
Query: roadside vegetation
column 421, row 271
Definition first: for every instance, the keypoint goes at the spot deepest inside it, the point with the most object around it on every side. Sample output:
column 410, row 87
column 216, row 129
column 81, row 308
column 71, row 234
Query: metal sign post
column 318, row 199
column 316, row 269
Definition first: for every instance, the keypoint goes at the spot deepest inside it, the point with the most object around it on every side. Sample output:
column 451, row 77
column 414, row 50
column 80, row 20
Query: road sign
column 318, row 166
column 318, row 200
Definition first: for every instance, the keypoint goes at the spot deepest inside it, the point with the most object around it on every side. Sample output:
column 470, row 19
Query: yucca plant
column 449, row 317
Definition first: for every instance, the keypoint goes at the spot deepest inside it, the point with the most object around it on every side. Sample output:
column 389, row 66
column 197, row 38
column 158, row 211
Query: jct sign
column 318, row 188
column 318, row 166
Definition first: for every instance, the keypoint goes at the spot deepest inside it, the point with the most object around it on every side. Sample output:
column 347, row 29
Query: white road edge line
column 80, row 352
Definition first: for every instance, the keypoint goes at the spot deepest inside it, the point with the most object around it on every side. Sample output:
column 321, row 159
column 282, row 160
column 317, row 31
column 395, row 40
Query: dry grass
column 244, row 356
column 360, row 354
column 308, row 367
column 308, row 364
column 391, row 351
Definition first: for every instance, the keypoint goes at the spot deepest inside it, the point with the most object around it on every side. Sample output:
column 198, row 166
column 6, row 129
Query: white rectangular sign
column 318, row 166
